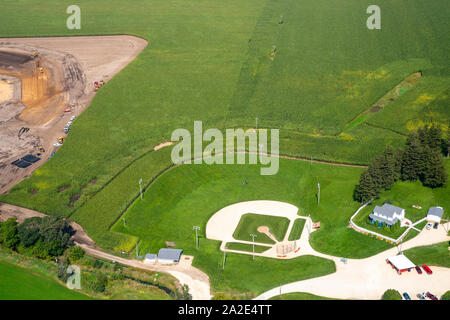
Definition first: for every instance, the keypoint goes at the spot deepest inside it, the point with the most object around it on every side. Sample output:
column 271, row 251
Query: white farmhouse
column 387, row 214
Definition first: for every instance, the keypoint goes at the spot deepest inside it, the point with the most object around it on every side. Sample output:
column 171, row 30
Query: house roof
column 150, row 256
column 387, row 210
column 401, row 262
column 169, row 254
column 436, row 211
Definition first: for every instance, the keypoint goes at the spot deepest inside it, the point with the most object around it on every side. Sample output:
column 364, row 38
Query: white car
column 428, row 226
column 72, row 118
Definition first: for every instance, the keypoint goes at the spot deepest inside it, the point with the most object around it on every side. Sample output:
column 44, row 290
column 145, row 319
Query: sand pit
column 40, row 79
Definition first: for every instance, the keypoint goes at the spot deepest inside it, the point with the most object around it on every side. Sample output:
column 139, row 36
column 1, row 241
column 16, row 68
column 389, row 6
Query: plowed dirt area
column 46, row 81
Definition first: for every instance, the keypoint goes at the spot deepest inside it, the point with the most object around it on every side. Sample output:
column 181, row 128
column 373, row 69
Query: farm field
column 226, row 78
column 19, row 283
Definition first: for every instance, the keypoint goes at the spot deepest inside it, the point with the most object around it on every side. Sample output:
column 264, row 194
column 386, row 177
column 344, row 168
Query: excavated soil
column 43, row 91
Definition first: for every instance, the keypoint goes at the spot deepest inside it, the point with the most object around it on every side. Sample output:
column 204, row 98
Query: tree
column 8, row 234
column 411, row 158
column 434, row 175
column 366, row 189
column 446, row 296
column 391, row 294
column 75, row 253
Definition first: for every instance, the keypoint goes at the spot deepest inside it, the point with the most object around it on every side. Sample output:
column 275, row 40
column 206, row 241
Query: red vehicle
column 427, row 269
column 431, row 296
column 419, row 271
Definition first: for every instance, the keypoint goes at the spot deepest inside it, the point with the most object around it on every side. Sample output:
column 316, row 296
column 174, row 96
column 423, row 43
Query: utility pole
column 256, row 123
column 253, row 237
column 196, row 236
column 318, row 195
column 224, row 256
column 140, row 187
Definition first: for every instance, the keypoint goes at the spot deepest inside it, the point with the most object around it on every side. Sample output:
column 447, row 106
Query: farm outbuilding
column 150, row 258
column 169, row 256
column 435, row 214
column 400, row 263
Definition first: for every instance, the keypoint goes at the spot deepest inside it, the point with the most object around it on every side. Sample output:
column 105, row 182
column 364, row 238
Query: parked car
column 419, row 271
column 421, row 297
column 427, row 269
column 428, row 226
column 431, row 296
column 436, row 225
column 406, row 296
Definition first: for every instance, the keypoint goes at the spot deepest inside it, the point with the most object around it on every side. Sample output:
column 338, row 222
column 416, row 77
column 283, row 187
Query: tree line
column 44, row 238
column 420, row 159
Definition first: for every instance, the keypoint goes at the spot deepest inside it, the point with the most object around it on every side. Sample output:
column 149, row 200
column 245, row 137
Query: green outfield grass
column 17, row 283
column 250, row 222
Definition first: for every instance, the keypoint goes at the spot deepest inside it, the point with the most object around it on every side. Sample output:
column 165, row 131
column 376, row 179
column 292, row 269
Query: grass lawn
column 299, row 296
column 250, row 222
column 297, row 229
column 17, row 283
column 246, row 247
column 436, row 254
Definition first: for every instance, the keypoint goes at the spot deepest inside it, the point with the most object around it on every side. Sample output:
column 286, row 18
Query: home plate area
column 260, row 228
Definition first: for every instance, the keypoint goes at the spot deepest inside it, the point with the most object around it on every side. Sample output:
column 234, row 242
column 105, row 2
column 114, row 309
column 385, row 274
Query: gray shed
column 169, row 256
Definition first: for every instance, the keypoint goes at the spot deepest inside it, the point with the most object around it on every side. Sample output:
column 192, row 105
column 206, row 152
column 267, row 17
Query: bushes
column 391, row 294
column 45, row 237
column 446, row 296
column 75, row 254
column 8, row 234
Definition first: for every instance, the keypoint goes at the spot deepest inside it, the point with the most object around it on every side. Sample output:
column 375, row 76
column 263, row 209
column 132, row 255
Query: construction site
column 45, row 83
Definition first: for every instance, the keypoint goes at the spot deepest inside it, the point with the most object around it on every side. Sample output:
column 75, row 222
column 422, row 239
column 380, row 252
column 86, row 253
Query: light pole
column 224, row 257
column 140, row 187
column 196, row 236
column 253, row 237
column 318, row 196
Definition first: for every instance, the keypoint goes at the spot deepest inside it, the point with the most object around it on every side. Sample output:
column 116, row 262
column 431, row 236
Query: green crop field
column 23, row 284
column 250, row 222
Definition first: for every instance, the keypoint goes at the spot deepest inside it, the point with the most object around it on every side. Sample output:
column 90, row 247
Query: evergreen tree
column 411, row 158
column 366, row 189
column 434, row 175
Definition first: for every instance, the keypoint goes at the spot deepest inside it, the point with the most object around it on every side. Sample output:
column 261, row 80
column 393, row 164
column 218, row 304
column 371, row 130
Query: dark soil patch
column 375, row 109
column 61, row 189
column 93, row 181
column 34, row 191
column 74, row 198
